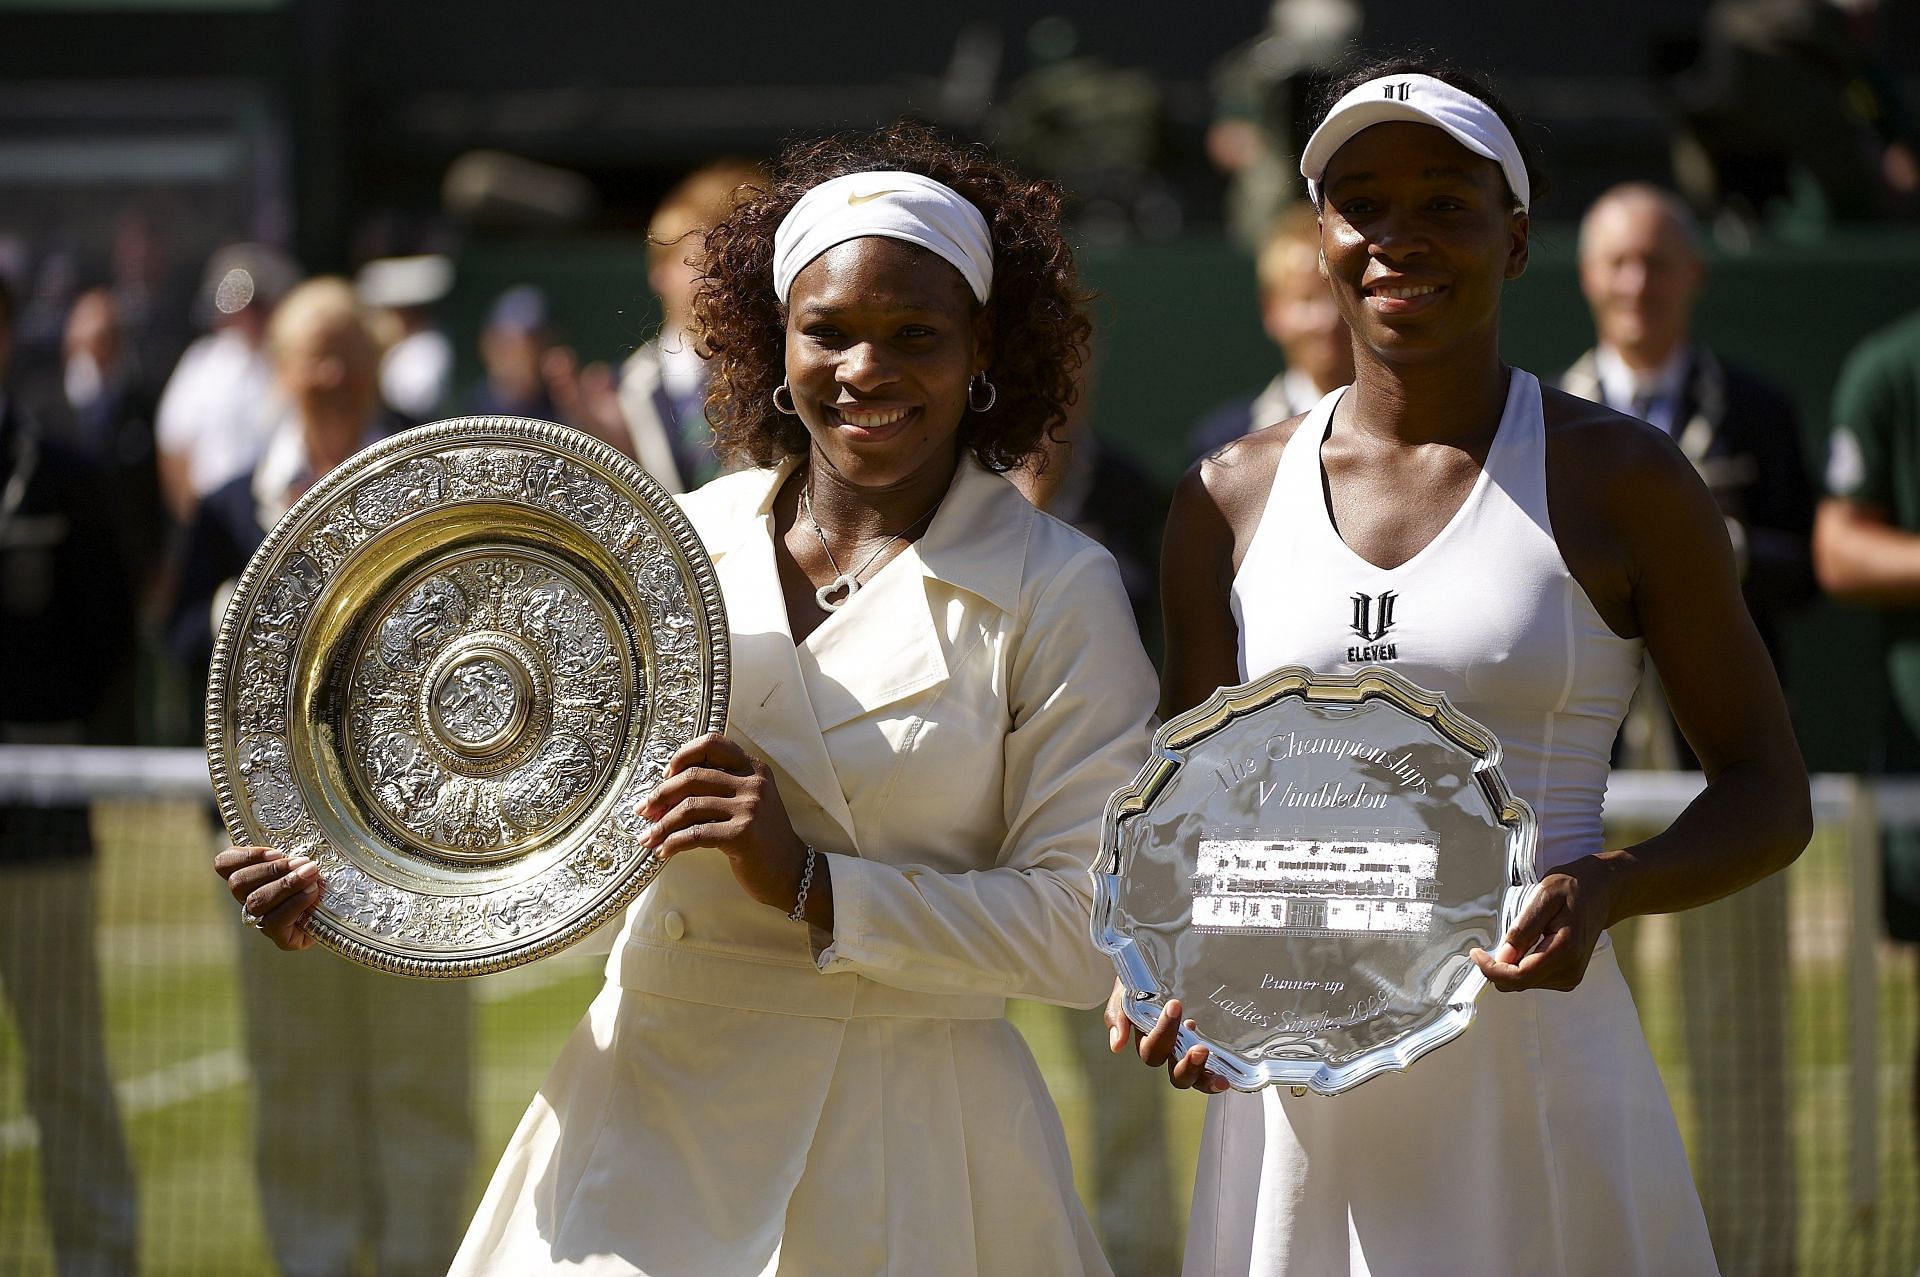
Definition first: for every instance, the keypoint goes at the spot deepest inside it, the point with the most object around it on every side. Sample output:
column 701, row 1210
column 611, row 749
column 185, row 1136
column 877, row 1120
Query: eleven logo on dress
column 1373, row 618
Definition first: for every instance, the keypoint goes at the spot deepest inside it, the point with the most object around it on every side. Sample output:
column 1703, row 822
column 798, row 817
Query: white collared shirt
column 1287, row 395
column 1660, row 390
column 218, row 408
column 683, row 373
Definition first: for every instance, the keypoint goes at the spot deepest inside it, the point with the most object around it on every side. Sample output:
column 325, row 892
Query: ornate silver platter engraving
column 1305, row 863
column 450, row 673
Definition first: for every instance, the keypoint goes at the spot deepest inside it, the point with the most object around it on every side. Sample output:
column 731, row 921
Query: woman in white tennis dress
column 1520, row 551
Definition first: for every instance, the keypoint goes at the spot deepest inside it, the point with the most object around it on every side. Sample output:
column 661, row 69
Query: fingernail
column 297, row 860
column 311, row 889
column 309, row 870
column 1113, row 1038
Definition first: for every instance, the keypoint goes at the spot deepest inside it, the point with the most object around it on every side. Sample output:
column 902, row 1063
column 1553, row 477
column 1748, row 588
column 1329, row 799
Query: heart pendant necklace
column 835, row 594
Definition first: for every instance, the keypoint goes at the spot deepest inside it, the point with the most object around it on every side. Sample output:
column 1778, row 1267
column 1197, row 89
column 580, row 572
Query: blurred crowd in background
column 137, row 332
column 189, row 338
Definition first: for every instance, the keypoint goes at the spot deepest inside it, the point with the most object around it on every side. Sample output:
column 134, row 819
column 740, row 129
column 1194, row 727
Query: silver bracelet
column 799, row 913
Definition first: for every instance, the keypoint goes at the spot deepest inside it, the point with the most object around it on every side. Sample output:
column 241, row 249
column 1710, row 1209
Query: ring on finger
column 251, row 918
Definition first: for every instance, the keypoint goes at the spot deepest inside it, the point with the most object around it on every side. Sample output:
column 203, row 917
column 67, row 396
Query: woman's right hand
column 1188, row 1071
column 278, row 890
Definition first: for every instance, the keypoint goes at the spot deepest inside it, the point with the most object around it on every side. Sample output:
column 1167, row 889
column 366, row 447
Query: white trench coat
column 744, row 1098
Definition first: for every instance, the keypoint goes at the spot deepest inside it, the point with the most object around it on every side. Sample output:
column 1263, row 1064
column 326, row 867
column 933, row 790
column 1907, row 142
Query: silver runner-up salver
column 450, row 674
column 1305, row 863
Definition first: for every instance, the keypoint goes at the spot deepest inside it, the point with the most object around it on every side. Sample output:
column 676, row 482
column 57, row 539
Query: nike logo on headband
column 853, row 199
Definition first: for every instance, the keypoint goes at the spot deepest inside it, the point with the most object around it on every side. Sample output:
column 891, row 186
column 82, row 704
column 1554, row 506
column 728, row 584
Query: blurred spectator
column 1866, row 545
column 529, row 373
column 1642, row 269
column 1103, row 494
column 1786, row 87
column 220, row 403
column 363, row 1136
column 1297, row 310
column 663, row 384
column 105, row 410
column 1262, row 110
column 150, row 297
column 66, row 629
column 416, row 373
column 40, row 318
column 515, row 344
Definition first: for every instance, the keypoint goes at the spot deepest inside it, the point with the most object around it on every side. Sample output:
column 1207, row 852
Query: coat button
column 674, row 925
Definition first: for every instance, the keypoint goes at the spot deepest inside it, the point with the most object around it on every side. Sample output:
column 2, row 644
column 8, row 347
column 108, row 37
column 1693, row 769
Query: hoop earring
column 786, row 407
column 973, row 387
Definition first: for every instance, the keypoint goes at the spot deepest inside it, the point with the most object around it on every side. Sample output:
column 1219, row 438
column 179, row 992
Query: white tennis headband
column 1420, row 99
column 902, row 206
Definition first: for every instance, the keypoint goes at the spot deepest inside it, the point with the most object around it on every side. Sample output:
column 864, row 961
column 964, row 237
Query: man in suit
column 663, row 384
column 1642, row 269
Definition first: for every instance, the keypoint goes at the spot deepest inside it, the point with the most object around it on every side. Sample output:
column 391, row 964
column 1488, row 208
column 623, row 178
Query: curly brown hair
column 1040, row 330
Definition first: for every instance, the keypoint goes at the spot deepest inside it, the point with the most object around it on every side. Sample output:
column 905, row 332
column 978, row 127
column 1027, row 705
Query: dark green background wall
column 1178, row 333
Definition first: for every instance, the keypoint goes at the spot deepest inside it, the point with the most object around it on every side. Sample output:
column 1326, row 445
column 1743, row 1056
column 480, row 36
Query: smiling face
column 882, row 338
column 1641, row 273
column 1418, row 234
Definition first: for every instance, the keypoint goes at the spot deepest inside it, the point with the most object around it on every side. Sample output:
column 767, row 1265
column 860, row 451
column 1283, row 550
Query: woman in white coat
column 1538, row 548
column 799, row 1063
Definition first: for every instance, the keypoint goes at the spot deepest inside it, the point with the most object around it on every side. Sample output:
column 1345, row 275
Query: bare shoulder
column 1610, row 454
column 1622, row 496
column 1235, row 479
column 1216, row 510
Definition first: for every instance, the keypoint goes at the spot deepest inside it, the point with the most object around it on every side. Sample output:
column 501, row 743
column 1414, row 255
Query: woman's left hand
column 717, row 795
column 1551, row 942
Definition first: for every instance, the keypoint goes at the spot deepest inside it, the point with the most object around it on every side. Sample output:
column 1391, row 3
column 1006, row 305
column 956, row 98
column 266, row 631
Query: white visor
column 902, row 206
column 1419, row 99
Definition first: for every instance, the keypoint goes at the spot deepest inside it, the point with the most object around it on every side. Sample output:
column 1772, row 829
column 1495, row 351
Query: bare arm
column 1755, row 815
column 1214, row 514
column 1196, row 577
column 1639, row 507
column 1860, row 556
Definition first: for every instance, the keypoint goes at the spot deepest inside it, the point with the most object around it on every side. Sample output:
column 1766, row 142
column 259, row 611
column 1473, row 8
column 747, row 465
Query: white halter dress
column 1540, row 1141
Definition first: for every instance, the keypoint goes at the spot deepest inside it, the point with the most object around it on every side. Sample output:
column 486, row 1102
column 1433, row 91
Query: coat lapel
column 1583, row 379
column 639, row 404
column 893, row 641
column 889, row 642
column 1703, row 405
column 769, row 712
